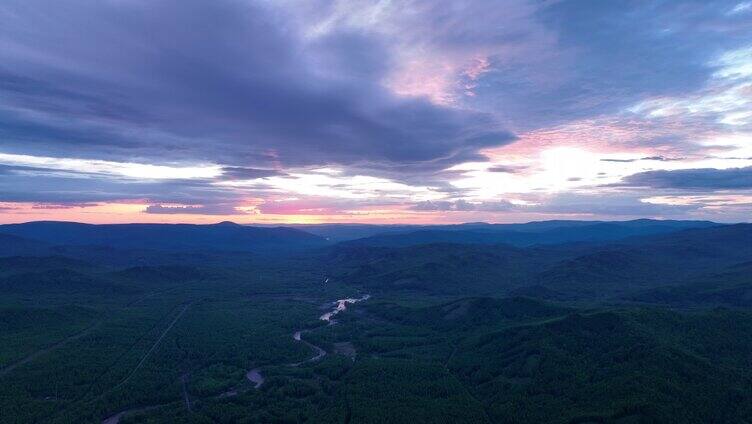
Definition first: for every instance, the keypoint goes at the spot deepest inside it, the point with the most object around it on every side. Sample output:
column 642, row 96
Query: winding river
column 254, row 375
column 339, row 306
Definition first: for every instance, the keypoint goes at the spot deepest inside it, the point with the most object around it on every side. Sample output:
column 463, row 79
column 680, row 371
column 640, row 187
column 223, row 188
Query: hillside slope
column 175, row 237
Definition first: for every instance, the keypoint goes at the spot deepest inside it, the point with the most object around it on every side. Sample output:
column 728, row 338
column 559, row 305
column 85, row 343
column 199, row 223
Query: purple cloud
column 693, row 179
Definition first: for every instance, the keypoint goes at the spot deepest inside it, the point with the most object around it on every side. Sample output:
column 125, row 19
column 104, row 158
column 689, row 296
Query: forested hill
column 168, row 237
column 650, row 328
column 575, row 271
column 533, row 233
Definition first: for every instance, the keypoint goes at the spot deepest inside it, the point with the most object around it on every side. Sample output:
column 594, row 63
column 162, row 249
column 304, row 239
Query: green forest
column 432, row 333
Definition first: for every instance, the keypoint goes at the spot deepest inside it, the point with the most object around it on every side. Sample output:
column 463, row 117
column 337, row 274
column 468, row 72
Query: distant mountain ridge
column 350, row 232
column 533, row 233
column 224, row 236
column 575, row 271
column 37, row 238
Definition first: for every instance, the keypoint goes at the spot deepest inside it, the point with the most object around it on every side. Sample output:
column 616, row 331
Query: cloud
column 39, row 185
column 743, row 7
column 656, row 158
column 198, row 210
column 693, row 179
column 463, row 206
column 54, row 206
column 618, row 204
column 241, row 173
column 608, row 56
column 195, row 107
column 242, row 91
column 507, row 169
column 95, row 167
column 318, row 205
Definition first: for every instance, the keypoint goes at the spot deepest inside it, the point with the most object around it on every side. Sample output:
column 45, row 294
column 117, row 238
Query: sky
column 378, row 111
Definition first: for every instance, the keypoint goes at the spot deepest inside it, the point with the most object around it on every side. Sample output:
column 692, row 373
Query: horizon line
column 377, row 224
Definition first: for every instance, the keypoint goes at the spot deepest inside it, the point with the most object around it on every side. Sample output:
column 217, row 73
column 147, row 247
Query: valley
column 593, row 331
column 375, row 212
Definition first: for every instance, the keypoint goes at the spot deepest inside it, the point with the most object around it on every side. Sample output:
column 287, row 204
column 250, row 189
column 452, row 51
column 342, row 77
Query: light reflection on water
column 341, row 306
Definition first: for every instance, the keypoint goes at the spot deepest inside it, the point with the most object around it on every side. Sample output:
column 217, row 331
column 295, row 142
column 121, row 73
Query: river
column 254, row 375
column 341, row 305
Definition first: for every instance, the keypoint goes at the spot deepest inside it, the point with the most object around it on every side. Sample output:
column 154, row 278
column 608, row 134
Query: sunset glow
column 381, row 112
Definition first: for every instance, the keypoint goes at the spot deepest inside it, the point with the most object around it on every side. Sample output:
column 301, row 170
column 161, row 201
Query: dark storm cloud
column 693, row 179
column 220, row 81
column 58, row 188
